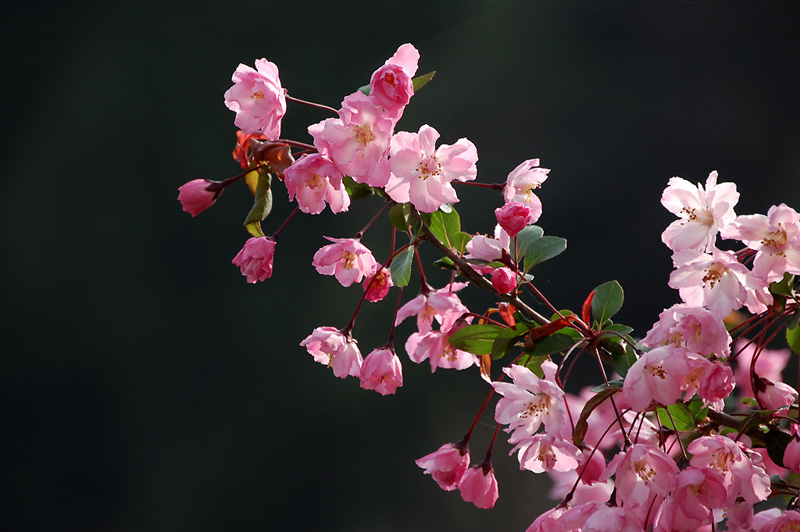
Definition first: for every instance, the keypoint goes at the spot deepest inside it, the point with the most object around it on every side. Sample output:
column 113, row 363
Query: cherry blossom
column 391, row 86
column 513, row 217
column 255, row 258
column 315, row 181
column 488, row 248
column 657, row 376
column 504, row 280
column 347, row 259
column 378, row 285
column 774, row 395
column 447, row 465
column 599, row 517
column 479, row 486
column 382, row 371
column 741, row 469
column 785, row 523
column 697, row 492
column 702, row 212
column 197, row 195
column 338, row 351
column 716, row 280
column 521, row 183
column 436, row 347
column 357, row 141
column 422, row 173
column 257, row 98
column 693, row 328
column 546, row 452
column 443, row 305
column 643, row 471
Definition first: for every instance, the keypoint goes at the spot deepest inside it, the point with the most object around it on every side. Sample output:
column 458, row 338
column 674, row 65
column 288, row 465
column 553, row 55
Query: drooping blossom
column 257, row 98
column 702, row 212
column 447, row 465
column 382, row 371
column 521, row 183
column 422, row 173
column 588, row 488
column 742, row 471
column 513, row 217
column 658, row 375
column 791, row 455
column 774, row 395
column 357, row 141
column 443, row 305
column 642, row 472
column 504, row 280
column 529, row 402
column 716, row 280
column 689, row 507
column 198, row 195
column 787, row 522
column 695, row 329
column 435, row 346
column 599, row 517
column 391, row 85
column 338, row 351
column 548, row 521
column 255, row 258
column 546, row 452
column 479, row 486
column 769, row 365
column 315, row 181
column 718, row 383
column 347, row 259
column 378, row 285
column 775, row 237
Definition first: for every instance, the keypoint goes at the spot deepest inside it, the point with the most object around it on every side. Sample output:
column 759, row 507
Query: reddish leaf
column 506, row 311
column 546, row 330
column 586, row 311
column 486, row 368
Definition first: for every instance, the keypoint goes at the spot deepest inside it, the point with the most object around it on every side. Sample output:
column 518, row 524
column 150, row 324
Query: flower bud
column 382, row 371
column 479, row 486
column 504, row 280
column 197, row 195
column 513, row 217
column 255, row 258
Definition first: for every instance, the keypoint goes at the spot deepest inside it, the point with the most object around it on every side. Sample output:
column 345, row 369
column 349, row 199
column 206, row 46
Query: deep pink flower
column 255, row 258
column 357, row 141
column 504, row 280
column 315, row 181
column 197, row 196
column 521, row 183
column 382, row 371
column 447, row 465
column 378, row 288
column 702, row 212
column 421, row 173
column 787, row 522
column 479, row 486
column 347, row 259
column 791, row 456
column 258, row 99
column 330, row 347
column 774, row 395
column 717, row 383
column 514, row 217
column 391, row 86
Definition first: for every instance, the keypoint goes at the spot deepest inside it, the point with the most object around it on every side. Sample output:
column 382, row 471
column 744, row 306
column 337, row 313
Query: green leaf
column 263, row 202
column 535, row 365
column 680, row 414
column 401, row 267
column 699, row 411
column 506, row 339
column 400, row 215
column 460, row 241
column 555, row 343
column 543, row 249
column 607, row 301
column 776, row 445
column 617, row 383
column 526, row 237
column 623, row 362
column 476, row 339
column 445, row 263
column 254, row 229
column 445, row 226
column 420, row 81
column 793, row 338
column 356, row 190
column 784, row 286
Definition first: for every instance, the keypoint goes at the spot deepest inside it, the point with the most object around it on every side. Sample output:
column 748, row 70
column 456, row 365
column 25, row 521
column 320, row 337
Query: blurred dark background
column 145, row 386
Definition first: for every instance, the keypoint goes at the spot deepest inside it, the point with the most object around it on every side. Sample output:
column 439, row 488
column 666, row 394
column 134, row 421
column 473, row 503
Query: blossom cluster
column 695, row 428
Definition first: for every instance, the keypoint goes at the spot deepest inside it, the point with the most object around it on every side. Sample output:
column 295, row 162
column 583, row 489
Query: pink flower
column 694, row 328
column 357, row 141
column 545, row 452
column 447, row 465
column 514, row 217
column 330, row 347
column 347, row 259
column 521, row 183
column 642, row 472
column 382, row 371
column 774, row 395
column 718, row 382
column 715, row 280
column 784, row 523
column 198, row 195
column 599, row 517
column 435, row 346
column 504, row 280
column 688, row 508
column 391, row 86
column 258, row 99
column 378, row 285
column 776, row 237
column 658, row 375
column 702, row 212
column 255, row 258
column 422, row 173
column 315, row 180
column 791, row 456
column 479, row 486
column 486, row 248
column 769, row 365
column 741, row 468
column 442, row 304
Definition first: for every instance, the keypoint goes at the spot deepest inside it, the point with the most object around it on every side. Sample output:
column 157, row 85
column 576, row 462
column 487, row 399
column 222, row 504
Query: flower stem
column 312, row 104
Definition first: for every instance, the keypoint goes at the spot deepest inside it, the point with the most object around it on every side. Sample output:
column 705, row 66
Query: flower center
column 428, row 167
column 258, row 95
column 644, row 471
column 363, row 134
column 537, row 407
column 348, row 260
column 775, row 240
column 714, row 274
column 315, row 182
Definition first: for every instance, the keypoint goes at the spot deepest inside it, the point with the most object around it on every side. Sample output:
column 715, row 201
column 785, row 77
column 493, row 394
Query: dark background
column 145, row 386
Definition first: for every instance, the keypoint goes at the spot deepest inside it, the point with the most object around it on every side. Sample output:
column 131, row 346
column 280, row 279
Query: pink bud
column 504, row 280
column 513, row 217
column 774, row 395
column 196, row 196
column 255, row 258
column 377, row 289
column 479, row 486
column 382, row 371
